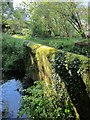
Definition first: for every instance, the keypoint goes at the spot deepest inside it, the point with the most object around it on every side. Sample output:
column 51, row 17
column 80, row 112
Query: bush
column 13, row 54
column 35, row 104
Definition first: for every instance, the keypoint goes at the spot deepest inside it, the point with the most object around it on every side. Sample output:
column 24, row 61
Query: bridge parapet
column 73, row 76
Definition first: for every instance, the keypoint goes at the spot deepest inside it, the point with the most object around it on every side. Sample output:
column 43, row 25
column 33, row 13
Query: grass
column 59, row 43
column 66, row 44
column 18, row 36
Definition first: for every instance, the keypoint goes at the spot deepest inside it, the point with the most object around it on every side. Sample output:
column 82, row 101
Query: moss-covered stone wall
column 72, row 69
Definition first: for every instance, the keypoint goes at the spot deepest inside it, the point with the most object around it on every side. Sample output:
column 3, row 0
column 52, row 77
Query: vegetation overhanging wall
column 48, row 64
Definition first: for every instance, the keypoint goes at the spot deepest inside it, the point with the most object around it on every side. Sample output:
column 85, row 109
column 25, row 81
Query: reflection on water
column 11, row 98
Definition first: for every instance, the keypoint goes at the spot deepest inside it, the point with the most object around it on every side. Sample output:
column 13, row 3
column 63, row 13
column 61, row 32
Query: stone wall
column 40, row 62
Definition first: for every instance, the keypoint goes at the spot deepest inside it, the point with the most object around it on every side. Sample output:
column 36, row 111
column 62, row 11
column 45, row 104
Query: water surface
column 11, row 98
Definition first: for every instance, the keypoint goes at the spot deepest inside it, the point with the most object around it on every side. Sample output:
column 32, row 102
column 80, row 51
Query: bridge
column 75, row 76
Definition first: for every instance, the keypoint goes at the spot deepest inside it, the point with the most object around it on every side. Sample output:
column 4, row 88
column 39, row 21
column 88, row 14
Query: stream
column 10, row 98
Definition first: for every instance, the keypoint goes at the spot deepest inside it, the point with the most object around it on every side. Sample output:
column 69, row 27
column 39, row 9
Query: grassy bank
column 66, row 44
column 53, row 42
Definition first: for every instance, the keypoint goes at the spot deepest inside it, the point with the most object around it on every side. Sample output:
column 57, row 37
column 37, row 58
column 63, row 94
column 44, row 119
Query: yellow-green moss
column 40, row 65
column 42, row 57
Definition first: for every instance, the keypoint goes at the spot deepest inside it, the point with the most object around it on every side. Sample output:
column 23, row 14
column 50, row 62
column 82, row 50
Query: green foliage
column 45, row 19
column 36, row 104
column 56, row 19
column 13, row 20
column 13, row 54
column 7, row 11
column 81, row 50
column 69, row 68
column 59, row 43
column 64, row 44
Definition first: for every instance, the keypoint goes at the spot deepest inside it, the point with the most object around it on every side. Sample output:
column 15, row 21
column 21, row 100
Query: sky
column 17, row 2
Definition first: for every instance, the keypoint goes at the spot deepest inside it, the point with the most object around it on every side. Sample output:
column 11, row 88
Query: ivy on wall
column 69, row 72
column 68, row 77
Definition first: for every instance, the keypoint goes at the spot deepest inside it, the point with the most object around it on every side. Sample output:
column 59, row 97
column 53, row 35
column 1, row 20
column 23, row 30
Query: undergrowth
column 36, row 105
column 12, row 54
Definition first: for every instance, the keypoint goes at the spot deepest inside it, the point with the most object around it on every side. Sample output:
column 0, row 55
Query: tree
column 55, row 18
column 13, row 20
column 7, row 11
column 73, row 17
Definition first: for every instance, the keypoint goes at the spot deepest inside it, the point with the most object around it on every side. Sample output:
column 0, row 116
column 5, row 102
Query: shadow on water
column 26, row 81
column 12, row 74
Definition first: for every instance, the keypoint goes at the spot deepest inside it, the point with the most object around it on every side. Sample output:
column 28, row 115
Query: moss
column 43, row 54
column 33, row 46
column 39, row 64
column 41, row 59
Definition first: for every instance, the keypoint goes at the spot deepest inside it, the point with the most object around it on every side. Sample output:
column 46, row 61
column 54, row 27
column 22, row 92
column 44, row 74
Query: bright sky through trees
column 17, row 2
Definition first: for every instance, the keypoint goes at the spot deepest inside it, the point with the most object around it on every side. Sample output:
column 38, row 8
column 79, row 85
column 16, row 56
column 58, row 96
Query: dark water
column 10, row 97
